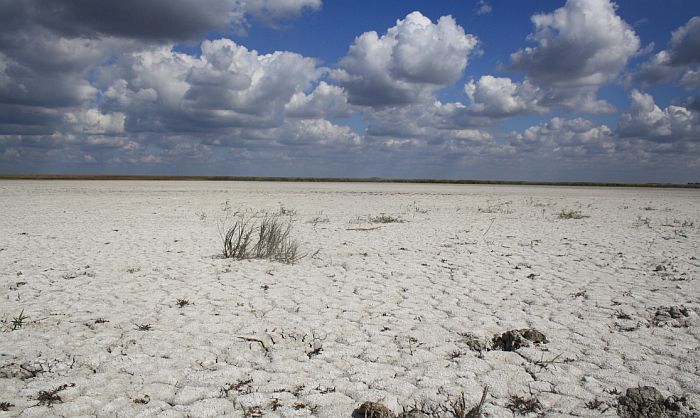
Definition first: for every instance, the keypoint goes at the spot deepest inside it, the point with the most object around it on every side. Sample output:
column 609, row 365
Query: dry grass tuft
column 50, row 397
column 571, row 214
column 523, row 406
column 452, row 408
column 384, row 219
column 269, row 238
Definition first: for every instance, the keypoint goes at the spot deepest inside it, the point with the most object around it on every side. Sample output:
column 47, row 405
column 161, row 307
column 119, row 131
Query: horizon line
column 136, row 177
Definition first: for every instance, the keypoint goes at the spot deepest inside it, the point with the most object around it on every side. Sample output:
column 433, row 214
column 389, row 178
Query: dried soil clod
column 373, row 410
column 674, row 316
column 514, row 339
column 647, row 401
column 474, row 343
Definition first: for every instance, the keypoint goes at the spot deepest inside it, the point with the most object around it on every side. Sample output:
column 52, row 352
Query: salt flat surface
column 376, row 315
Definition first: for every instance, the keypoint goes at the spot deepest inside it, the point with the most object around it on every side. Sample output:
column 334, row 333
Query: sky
column 539, row 90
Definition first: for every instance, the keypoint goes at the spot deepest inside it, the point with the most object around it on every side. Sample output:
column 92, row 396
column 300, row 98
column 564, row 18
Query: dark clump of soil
column 474, row 343
column 648, row 402
column 674, row 316
column 514, row 339
column 373, row 410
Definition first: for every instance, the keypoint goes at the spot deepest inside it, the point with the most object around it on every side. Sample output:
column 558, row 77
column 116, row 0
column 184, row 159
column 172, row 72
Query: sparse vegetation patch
column 523, row 405
column 14, row 323
column 384, row 219
column 50, row 397
column 245, row 237
column 571, row 214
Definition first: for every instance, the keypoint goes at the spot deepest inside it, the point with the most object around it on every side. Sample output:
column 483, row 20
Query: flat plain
column 116, row 301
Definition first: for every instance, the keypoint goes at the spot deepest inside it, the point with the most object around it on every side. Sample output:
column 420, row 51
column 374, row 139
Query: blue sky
column 588, row 90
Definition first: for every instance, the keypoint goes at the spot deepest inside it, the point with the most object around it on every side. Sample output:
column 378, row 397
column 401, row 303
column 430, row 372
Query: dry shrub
column 244, row 237
column 571, row 214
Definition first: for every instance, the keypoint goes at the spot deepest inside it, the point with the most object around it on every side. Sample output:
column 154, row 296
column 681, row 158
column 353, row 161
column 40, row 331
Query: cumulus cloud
column 647, row 121
column 500, row 96
column 92, row 121
column 565, row 137
column 645, row 135
column 226, row 86
column 42, row 75
column 81, row 82
column 323, row 102
column 47, row 50
column 317, row 132
column 691, row 79
column 601, row 40
column 47, row 71
column 85, row 85
column 580, row 47
column 427, row 130
column 685, row 43
column 682, row 54
column 407, row 63
column 656, row 70
column 154, row 20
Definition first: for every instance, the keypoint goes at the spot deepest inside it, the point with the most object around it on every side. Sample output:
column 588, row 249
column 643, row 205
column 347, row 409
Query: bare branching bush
column 269, row 237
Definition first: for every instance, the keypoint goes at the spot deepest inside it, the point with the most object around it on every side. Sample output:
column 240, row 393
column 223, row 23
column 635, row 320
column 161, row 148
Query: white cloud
column 565, row 137
column 647, row 121
column 576, row 99
column 500, row 96
column 407, row 63
column 49, row 52
column 681, row 55
column 318, row 132
column 324, row 101
column 685, row 43
column 580, row 47
column 92, row 121
column 691, row 79
column 657, row 70
column 584, row 43
column 425, row 130
column 226, row 86
column 152, row 20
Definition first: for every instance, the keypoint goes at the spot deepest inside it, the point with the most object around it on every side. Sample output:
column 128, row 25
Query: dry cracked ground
column 116, row 302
